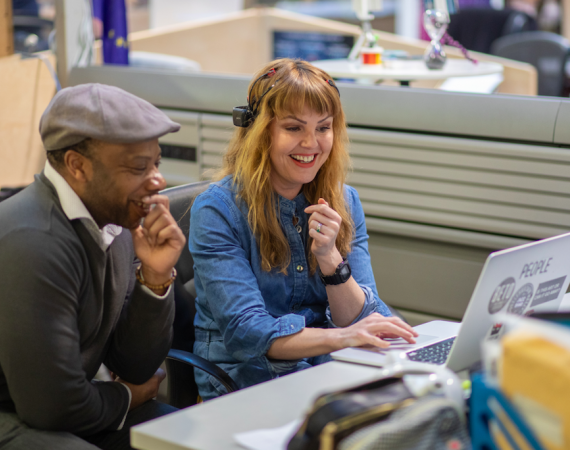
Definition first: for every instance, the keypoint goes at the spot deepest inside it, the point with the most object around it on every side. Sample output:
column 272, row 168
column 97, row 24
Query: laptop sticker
column 547, row 291
column 521, row 299
column 501, row 295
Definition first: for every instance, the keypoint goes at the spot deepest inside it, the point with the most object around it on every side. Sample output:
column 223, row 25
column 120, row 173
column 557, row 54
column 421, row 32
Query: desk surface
column 407, row 70
column 211, row 426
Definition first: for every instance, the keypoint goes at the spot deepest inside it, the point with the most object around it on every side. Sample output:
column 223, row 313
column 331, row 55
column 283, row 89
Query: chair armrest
column 205, row 365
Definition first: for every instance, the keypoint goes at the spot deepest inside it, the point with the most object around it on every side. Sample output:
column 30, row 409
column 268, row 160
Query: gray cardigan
column 66, row 306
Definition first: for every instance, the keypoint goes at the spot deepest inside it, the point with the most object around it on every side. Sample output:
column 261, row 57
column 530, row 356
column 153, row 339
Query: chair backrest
column 546, row 51
column 476, row 29
column 181, row 198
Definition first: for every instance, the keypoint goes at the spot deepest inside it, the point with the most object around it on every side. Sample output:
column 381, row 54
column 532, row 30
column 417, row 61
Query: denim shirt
column 241, row 309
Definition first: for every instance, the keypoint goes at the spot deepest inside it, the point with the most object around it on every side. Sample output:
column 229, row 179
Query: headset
column 244, row 116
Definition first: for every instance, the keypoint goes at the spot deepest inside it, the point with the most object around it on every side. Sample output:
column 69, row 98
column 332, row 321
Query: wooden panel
column 6, row 29
column 26, row 88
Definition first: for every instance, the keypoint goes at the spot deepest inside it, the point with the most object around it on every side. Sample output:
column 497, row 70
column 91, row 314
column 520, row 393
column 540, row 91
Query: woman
column 282, row 268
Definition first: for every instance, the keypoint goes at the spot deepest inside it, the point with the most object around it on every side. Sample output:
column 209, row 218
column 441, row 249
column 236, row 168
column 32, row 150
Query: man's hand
column 158, row 242
column 142, row 393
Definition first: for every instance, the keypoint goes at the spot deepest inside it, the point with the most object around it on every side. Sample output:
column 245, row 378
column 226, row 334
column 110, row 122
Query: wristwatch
column 341, row 274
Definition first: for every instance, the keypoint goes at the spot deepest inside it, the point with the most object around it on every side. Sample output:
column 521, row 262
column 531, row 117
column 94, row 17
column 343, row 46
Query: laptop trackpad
column 400, row 343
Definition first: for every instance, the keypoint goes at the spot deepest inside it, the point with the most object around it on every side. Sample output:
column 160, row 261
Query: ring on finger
column 319, row 225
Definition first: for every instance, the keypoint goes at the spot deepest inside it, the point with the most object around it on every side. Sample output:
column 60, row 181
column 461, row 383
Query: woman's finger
column 317, row 217
column 325, row 210
column 401, row 323
column 389, row 327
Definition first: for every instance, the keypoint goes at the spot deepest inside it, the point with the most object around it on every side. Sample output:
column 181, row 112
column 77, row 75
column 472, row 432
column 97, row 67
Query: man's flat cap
column 101, row 112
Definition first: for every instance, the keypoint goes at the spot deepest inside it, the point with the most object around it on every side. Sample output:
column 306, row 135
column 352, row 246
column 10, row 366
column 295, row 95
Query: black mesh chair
column 477, row 29
column 548, row 52
column 180, row 363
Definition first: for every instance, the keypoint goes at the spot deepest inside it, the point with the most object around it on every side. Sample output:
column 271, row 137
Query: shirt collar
column 74, row 209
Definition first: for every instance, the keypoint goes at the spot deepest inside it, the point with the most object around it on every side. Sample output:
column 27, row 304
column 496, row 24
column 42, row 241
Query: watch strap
column 340, row 276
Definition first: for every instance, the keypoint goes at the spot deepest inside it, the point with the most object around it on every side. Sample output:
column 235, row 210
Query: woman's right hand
column 372, row 329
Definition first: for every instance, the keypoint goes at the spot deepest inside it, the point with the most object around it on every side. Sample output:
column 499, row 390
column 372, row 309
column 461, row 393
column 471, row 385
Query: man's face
column 122, row 175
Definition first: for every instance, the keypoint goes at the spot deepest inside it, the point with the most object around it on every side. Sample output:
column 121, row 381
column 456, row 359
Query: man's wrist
column 156, row 282
column 153, row 277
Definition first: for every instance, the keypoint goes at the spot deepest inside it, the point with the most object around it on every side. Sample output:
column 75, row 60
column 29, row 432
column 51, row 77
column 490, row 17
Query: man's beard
column 103, row 206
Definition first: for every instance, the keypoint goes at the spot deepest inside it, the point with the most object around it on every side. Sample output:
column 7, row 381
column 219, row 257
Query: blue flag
column 113, row 14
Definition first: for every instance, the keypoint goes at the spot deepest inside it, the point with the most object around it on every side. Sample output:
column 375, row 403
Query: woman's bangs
column 294, row 98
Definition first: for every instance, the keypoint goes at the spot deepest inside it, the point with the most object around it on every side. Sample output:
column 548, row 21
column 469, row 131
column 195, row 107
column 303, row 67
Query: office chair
column 180, row 362
column 546, row 51
column 476, row 29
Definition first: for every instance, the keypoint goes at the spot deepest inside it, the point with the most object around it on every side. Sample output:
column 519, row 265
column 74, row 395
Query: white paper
column 268, row 438
column 482, row 84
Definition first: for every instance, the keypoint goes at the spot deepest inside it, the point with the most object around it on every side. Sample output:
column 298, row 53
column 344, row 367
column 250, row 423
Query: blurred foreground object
column 535, row 375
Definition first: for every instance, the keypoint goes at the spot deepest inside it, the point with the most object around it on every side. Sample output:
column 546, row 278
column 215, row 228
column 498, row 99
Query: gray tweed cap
column 102, row 112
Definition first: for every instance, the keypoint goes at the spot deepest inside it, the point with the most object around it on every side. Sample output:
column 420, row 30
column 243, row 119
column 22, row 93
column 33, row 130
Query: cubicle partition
column 444, row 178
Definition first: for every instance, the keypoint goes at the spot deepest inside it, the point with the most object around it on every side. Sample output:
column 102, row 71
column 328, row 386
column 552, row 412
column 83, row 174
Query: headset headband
column 243, row 116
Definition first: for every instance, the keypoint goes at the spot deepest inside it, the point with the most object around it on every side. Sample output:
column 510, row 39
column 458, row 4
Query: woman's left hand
column 324, row 225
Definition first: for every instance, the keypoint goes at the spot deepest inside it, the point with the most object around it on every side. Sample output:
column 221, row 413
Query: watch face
column 345, row 271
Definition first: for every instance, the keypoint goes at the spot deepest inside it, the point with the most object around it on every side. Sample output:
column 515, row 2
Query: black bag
column 336, row 415
column 361, row 418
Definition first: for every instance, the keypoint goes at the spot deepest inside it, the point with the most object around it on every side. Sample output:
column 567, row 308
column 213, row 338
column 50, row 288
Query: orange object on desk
column 371, row 55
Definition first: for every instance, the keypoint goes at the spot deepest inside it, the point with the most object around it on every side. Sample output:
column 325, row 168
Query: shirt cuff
column 154, row 294
column 128, row 407
column 288, row 325
column 370, row 306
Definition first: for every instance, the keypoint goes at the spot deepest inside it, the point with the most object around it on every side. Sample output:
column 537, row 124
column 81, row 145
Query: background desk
column 406, row 71
column 211, row 426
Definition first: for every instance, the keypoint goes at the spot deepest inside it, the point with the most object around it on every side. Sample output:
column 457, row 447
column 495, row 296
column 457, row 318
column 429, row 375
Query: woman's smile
column 304, row 161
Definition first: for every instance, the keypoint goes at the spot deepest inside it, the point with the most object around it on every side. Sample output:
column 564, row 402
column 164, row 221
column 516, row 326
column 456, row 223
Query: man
column 69, row 296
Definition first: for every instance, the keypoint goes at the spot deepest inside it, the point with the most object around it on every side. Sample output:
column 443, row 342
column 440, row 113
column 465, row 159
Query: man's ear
column 78, row 166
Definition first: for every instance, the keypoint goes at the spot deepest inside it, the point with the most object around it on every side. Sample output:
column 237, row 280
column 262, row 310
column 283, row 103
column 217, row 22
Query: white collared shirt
column 74, row 208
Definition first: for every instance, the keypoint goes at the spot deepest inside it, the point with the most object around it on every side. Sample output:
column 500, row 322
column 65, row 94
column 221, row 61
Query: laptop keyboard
column 434, row 354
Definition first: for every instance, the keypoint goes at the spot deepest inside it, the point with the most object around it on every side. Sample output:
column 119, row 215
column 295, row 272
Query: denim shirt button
column 300, row 268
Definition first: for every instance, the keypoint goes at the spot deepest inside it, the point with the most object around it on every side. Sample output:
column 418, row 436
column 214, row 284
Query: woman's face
column 301, row 143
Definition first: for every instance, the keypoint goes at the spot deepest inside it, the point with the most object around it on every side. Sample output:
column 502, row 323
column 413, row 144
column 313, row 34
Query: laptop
column 530, row 278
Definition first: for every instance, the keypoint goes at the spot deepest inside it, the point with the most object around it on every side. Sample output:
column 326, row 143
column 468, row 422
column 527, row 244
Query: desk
column 211, row 426
column 406, row 71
